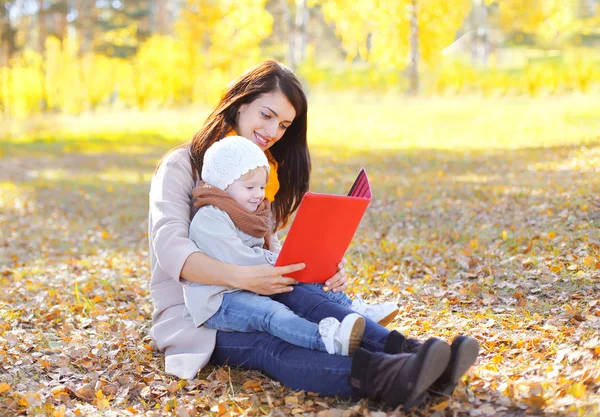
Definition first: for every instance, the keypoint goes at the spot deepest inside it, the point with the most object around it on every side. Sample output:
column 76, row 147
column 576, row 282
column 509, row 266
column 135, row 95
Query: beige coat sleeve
column 171, row 211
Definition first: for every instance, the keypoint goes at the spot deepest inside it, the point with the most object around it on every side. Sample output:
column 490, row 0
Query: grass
column 484, row 221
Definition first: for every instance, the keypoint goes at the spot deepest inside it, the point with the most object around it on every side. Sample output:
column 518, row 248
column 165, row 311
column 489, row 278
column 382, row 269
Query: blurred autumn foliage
column 59, row 56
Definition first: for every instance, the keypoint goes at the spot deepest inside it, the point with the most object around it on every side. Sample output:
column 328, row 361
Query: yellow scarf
column 273, row 184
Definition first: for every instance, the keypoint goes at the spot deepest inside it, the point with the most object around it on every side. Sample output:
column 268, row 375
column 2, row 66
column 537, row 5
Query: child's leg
column 244, row 311
column 310, row 302
column 337, row 297
column 382, row 313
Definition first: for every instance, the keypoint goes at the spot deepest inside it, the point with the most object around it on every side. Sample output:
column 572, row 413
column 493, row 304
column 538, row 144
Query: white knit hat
column 230, row 158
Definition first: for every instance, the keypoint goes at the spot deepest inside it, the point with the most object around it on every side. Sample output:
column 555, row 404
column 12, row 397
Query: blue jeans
column 243, row 311
column 337, row 297
column 295, row 367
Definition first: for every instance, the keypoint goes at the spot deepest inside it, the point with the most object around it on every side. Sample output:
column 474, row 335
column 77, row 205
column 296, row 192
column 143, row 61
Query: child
column 234, row 225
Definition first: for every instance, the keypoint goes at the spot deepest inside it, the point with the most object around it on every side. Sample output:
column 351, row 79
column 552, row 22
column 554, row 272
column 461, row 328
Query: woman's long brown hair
column 290, row 152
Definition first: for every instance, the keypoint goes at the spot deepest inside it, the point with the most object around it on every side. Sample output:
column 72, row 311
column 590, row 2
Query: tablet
column 323, row 229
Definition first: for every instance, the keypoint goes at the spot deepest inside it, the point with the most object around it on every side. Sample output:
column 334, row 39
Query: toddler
column 233, row 225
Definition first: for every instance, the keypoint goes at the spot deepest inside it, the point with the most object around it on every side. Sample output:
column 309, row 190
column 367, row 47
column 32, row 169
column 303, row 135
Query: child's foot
column 382, row 313
column 342, row 338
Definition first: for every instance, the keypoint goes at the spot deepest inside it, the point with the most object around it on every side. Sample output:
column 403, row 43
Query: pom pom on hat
column 230, row 158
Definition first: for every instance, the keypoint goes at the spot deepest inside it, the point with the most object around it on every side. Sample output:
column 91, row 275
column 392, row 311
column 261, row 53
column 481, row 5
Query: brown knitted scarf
column 257, row 224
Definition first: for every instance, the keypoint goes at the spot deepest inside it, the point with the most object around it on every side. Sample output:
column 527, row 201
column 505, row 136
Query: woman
column 267, row 106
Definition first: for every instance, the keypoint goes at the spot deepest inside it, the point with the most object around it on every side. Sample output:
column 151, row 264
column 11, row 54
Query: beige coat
column 187, row 348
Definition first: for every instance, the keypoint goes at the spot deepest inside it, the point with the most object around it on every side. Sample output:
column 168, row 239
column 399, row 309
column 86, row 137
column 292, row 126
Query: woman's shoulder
column 180, row 155
column 176, row 168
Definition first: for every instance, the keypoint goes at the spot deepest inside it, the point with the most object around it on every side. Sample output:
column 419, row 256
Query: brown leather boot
column 398, row 343
column 400, row 379
column 464, row 351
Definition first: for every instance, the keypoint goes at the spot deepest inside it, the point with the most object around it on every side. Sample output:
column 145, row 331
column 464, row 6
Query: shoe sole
column 432, row 366
column 388, row 319
column 465, row 357
column 358, row 324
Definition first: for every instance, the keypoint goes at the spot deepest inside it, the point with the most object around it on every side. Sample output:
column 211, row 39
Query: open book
column 323, row 229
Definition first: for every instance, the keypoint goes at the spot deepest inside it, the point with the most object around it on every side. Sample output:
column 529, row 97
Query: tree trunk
column 62, row 22
column 41, row 28
column 84, row 25
column 161, row 17
column 8, row 40
column 289, row 30
column 42, row 50
column 301, row 31
column 8, row 47
column 414, row 49
column 480, row 41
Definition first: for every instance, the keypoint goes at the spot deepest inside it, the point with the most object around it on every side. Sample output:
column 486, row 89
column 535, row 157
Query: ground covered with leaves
column 499, row 242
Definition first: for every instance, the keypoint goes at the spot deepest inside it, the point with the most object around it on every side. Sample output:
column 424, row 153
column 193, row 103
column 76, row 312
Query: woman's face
column 265, row 120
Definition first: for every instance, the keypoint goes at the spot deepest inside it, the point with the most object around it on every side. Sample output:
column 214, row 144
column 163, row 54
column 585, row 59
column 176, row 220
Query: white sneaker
column 382, row 313
column 342, row 338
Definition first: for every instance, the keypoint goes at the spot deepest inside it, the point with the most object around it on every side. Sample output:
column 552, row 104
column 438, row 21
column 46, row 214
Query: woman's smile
column 261, row 140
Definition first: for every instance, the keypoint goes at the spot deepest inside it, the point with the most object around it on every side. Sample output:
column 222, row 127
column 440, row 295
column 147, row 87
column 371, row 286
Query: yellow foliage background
column 213, row 41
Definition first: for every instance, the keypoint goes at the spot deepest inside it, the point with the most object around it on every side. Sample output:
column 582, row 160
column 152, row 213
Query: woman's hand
column 338, row 282
column 267, row 279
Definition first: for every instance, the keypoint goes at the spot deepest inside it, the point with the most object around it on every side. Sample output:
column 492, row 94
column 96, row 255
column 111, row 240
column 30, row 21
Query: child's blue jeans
column 337, row 297
column 244, row 311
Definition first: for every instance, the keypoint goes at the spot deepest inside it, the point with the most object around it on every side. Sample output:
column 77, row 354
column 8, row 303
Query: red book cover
column 323, row 229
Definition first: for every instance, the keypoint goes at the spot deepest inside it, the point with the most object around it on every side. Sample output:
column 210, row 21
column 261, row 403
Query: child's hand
column 338, row 282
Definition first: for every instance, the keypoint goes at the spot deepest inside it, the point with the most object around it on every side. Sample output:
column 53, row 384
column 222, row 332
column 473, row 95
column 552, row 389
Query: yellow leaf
column 577, row 390
column 474, row 243
column 4, row 387
column 102, row 404
column 291, row 399
column 21, row 400
column 491, row 367
column 551, row 235
column 99, row 394
column 504, row 235
column 498, row 359
column 60, row 412
column 222, row 409
column 251, row 384
column 440, row 407
column 550, row 212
